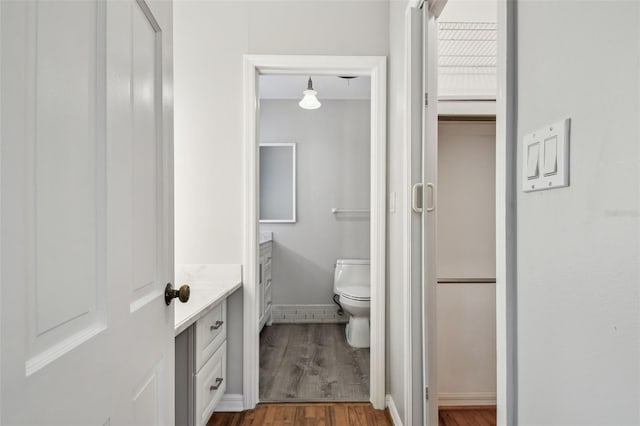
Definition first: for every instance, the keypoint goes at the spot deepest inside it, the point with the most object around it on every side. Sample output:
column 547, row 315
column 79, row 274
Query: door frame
column 1, row 146
column 506, row 195
column 506, row 191
column 409, row 287
column 376, row 68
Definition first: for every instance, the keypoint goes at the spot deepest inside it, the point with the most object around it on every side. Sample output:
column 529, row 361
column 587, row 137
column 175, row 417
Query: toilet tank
column 351, row 272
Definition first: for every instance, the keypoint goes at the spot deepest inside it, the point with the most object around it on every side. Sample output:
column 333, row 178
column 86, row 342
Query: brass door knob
column 182, row 293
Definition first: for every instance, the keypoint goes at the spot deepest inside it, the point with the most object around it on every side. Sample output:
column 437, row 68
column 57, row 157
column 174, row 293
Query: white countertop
column 265, row 236
column 210, row 284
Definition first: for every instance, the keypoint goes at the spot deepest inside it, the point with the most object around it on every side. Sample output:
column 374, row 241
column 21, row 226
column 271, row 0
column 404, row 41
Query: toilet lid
column 357, row 292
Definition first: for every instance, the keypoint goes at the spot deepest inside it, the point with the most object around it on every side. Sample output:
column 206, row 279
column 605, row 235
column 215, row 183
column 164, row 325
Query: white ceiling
column 328, row 87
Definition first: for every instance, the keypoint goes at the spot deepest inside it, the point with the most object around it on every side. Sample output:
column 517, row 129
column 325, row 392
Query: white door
column 86, row 210
column 417, row 101
column 430, row 198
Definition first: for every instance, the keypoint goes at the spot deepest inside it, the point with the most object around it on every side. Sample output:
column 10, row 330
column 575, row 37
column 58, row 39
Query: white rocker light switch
column 545, row 162
column 533, row 164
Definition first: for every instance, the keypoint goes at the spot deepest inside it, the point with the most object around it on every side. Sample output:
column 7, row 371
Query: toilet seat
column 359, row 293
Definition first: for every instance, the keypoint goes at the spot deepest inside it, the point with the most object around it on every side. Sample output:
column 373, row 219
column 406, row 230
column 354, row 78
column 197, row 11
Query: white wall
column 578, row 247
column 466, row 200
column 333, row 166
column 466, row 312
column 466, row 344
column 210, row 38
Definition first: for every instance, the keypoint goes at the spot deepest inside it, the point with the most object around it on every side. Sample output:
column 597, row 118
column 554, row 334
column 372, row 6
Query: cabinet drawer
column 267, row 297
column 265, row 255
column 265, row 248
column 211, row 383
column 267, row 261
column 211, row 331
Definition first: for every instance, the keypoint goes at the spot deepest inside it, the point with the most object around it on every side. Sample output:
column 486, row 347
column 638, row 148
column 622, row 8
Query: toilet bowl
column 353, row 284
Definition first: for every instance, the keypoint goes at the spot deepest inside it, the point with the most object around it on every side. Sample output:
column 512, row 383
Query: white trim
column 429, row 229
column 1, row 149
column 481, row 108
column 230, row 403
column 467, row 98
column 466, row 398
column 393, row 410
column 376, row 68
column 506, row 389
column 250, row 246
column 407, row 228
column 306, row 314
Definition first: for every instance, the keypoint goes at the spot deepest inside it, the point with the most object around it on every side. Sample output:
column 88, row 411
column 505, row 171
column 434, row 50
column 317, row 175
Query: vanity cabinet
column 265, row 284
column 201, row 367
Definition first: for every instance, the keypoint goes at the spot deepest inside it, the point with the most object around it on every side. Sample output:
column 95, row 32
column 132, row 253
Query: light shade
column 309, row 101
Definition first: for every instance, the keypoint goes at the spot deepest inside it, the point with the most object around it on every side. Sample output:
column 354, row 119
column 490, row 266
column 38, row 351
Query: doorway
column 423, row 50
column 314, row 223
column 466, row 330
column 375, row 69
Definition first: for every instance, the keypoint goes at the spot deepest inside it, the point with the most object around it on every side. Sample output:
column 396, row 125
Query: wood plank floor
column 311, row 362
column 342, row 414
column 313, row 414
column 467, row 416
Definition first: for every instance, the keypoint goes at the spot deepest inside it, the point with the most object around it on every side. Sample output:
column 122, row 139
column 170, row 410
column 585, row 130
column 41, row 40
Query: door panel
column 147, row 398
column 86, row 206
column 63, row 185
column 430, row 202
column 63, row 146
column 415, row 297
column 146, row 48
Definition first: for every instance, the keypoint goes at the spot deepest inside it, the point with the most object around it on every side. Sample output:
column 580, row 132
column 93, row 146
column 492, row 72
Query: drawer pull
column 216, row 326
column 219, row 381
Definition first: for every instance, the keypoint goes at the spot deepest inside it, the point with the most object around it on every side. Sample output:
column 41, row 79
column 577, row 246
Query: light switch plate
column 545, row 157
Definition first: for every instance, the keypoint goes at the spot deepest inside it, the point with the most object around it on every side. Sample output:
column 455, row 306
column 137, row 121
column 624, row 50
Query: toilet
column 352, row 282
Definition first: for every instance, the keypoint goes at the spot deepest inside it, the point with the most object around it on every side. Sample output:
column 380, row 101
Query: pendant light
column 310, row 101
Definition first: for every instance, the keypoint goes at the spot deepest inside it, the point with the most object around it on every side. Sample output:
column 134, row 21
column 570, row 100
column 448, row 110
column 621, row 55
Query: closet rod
column 466, row 280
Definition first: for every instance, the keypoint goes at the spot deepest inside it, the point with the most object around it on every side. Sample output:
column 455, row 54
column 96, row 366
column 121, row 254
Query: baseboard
column 395, row 417
column 288, row 314
column 231, row 402
column 466, row 398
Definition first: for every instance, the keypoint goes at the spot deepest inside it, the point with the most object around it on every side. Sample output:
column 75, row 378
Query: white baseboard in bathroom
column 231, row 402
column 393, row 410
column 283, row 314
column 466, row 398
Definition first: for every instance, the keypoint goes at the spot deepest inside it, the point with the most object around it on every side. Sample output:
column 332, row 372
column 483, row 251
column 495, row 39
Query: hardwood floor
column 313, row 414
column 467, row 416
column 343, row 414
column 311, row 362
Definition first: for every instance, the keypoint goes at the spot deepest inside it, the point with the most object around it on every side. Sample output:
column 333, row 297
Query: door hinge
column 426, row 393
column 426, row 99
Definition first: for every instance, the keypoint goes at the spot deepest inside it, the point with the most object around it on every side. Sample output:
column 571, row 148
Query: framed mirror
column 277, row 183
